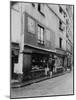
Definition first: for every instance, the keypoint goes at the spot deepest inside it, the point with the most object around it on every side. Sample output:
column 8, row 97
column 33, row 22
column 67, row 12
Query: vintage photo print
column 41, row 49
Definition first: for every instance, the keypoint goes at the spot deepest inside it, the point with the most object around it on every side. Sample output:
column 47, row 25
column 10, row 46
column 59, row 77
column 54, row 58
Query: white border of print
column 5, row 48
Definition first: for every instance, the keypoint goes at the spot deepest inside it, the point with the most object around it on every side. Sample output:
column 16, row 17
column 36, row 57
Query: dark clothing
column 53, row 62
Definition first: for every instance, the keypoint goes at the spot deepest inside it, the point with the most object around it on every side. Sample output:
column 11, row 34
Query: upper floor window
column 33, row 4
column 65, row 15
column 67, row 21
column 60, row 25
column 60, row 9
column 41, row 8
column 40, row 34
column 60, row 42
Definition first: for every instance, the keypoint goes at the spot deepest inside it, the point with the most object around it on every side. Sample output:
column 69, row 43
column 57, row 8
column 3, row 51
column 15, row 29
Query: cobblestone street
column 61, row 85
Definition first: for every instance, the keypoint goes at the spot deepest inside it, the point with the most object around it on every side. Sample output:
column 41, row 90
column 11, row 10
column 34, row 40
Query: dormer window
column 40, row 35
column 60, row 42
column 39, row 7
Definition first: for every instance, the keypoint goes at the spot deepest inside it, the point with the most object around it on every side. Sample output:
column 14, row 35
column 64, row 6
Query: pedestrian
column 46, row 70
column 50, row 67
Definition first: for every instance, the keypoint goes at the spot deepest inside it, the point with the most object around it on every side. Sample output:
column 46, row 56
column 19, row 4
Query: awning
column 39, row 49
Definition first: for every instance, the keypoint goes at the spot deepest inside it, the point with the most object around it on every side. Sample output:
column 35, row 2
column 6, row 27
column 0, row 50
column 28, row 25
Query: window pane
column 38, row 33
column 41, row 34
column 60, row 42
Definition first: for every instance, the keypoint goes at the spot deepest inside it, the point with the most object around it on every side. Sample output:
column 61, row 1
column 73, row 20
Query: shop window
column 14, row 60
column 65, row 15
column 60, row 42
column 40, row 34
column 38, row 61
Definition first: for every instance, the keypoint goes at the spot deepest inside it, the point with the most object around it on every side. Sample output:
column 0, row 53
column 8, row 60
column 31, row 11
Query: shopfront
column 35, row 61
column 69, row 61
column 60, row 60
column 14, row 59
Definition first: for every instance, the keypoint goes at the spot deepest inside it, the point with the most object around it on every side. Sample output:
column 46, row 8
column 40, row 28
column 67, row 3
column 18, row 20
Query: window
column 33, row 4
column 40, row 34
column 41, row 8
column 60, row 10
column 65, row 15
column 60, row 42
column 60, row 25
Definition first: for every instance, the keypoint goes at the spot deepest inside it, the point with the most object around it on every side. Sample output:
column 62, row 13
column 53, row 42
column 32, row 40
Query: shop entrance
column 14, row 60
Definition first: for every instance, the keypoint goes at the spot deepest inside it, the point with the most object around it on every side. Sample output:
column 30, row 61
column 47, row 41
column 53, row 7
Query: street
column 61, row 85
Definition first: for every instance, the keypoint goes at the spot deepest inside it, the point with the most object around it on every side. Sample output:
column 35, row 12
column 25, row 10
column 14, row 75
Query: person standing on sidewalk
column 50, row 67
column 46, row 70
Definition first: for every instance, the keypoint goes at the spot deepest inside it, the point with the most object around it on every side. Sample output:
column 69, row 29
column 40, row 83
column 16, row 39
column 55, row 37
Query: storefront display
column 14, row 62
column 58, row 64
column 38, row 61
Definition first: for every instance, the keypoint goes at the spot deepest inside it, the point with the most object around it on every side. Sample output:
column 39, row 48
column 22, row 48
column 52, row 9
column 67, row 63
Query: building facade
column 38, row 37
column 69, row 34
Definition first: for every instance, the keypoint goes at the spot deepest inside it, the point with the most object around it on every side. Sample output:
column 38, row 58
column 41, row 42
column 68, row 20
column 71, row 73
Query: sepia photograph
column 41, row 49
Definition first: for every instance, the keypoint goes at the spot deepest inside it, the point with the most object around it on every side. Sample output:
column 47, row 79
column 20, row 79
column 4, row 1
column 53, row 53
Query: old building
column 69, row 34
column 59, row 21
column 38, row 36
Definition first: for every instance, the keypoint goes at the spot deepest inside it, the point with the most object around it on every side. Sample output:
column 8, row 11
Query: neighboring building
column 60, row 31
column 38, row 34
column 69, row 34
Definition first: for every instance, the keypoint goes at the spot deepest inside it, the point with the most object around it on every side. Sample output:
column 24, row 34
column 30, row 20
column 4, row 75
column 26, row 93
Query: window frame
column 40, row 35
column 60, row 42
column 60, row 25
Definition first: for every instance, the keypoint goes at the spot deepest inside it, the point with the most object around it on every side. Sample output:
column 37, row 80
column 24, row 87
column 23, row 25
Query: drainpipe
column 20, row 72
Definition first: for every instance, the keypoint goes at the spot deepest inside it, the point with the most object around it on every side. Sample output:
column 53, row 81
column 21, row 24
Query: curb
column 36, row 81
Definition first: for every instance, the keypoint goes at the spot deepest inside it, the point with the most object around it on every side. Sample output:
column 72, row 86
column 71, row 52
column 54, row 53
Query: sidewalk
column 17, row 84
